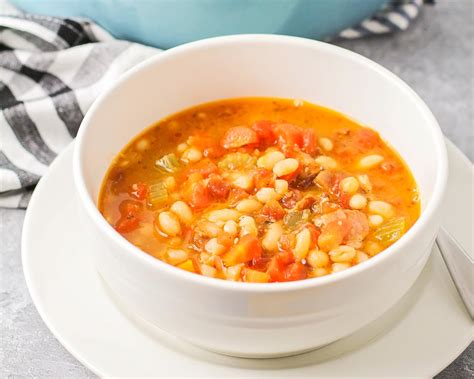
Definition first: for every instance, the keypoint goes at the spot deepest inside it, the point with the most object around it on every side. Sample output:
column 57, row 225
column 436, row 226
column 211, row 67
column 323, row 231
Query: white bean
column 342, row 254
column 209, row 271
column 326, row 162
column 303, row 241
column 213, row 247
column 381, row 208
column 357, row 201
column 268, row 160
column 361, row 257
column 248, row 226
column 326, row 143
column 170, row 183
column 248, row 205
column 281, row 186
column 375, row 220
column 265, row 194
column 370, row 161
column 182, row 147
column 272, row 236
column 317, row 258
column 192, row 155
column 175, row 256
column 337, row 267
column 365, row 183
column 143, row 144
column 320, row 271
column 169, row 224
column 183, row 211
column 233, row 272
column 285, row 167
column 372, row 248
column 223, row 215
column 231, row 227
column 349, row 185
column 244, row 182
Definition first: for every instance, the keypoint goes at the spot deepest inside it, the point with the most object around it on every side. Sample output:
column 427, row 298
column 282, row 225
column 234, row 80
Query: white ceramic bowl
column 245, row 319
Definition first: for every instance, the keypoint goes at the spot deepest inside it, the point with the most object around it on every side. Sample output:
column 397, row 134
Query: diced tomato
column 289, row 136
column 260, row 263
column 366, row 138
column 295, row 271
column 287, row 241
column 314, row 232
column 291, row 198
column 236, row 194
column 264, row 130
column 286, row 257
column 197, row 195
column 138, row 191
column 278, row 264
column 239, row 136
column 344, row 199
column 213, row 152
column 205, row 167
column 263, row 178
column 332, row 235
column 329, row 206
column 273, row 211
column 209, row 145
column 201, row 141
column 245, row 250
column 218, row 188
column 225, row 239
column 129, row 212
column 309, row 141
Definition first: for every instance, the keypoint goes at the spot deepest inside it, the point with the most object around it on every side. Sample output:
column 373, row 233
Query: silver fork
column 460, row 266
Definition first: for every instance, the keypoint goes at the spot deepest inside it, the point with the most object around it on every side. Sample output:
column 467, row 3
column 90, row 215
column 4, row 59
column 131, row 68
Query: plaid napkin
column 52, row 69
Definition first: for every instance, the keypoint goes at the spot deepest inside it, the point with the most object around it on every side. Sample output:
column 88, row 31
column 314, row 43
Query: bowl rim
column 135, row 253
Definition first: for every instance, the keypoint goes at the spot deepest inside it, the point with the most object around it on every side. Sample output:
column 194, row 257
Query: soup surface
column 260, row 190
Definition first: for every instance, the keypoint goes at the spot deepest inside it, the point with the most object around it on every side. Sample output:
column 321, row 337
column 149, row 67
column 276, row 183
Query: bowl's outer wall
column 167, row 23
column 222, row 316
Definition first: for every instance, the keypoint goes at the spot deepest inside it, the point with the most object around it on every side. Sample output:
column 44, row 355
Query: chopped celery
column 390, row 231
column 168, row 163
column 294, row 218
column 157, row 194
column 237, row 161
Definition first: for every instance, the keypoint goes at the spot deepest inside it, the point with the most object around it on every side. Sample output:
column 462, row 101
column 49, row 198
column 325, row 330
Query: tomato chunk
column 273, row 210
column 245, row 250
column 278, row 265
column 218, row 188
column 204, row 167
column 197, row 195
column 309, row 141
column 265, row 133
column 314, row 234
column 366, row 138
column 129, row 216
column 295, row 271
column 263, row 178
column 239, row 136
column 289, row 136
column 138, row 191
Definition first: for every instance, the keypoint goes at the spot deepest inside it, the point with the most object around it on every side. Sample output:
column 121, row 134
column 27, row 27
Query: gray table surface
column 435, row 57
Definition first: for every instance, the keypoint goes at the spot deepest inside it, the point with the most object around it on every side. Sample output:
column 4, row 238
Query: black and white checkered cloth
column 52, row 69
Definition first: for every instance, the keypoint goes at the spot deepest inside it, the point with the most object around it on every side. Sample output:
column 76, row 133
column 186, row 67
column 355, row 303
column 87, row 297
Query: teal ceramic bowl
column 167, row 23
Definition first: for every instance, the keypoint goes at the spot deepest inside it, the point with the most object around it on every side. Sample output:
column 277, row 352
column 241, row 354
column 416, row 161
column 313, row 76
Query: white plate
column 420, row 336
